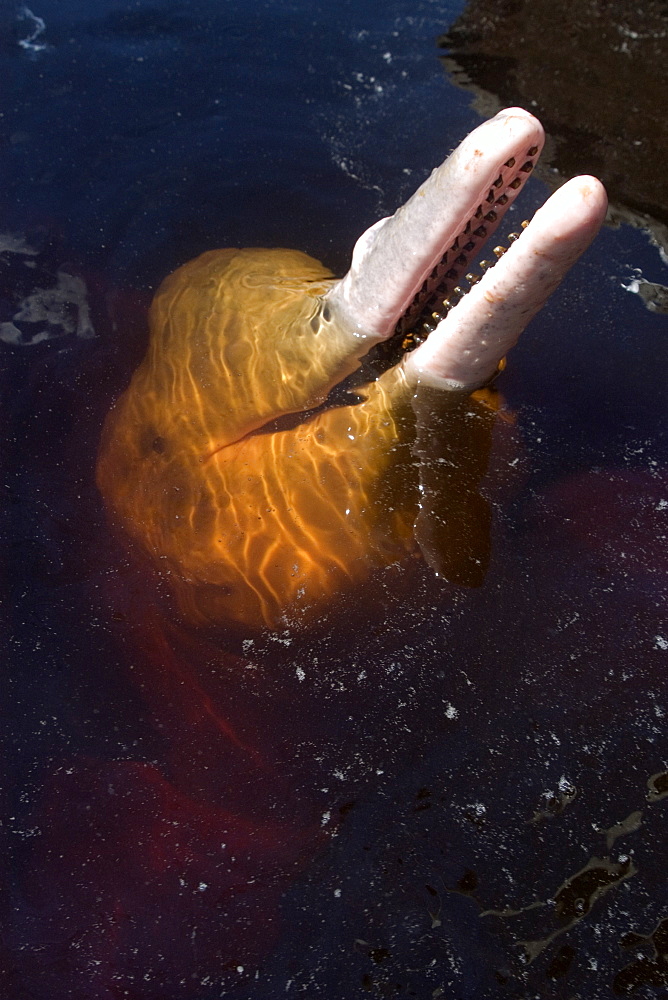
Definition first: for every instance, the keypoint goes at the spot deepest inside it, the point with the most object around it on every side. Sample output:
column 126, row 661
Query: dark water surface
column 437, row 792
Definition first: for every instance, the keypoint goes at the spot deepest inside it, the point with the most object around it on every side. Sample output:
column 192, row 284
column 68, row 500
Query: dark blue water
column 408, row 804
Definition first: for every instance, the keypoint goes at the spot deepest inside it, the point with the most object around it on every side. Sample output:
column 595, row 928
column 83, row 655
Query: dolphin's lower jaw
column 258, row 512
column 407, row 271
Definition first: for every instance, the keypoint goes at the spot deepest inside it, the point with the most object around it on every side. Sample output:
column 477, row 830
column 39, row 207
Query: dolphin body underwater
column 262, row 495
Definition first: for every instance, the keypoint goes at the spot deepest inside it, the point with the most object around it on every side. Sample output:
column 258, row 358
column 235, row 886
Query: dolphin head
column 261, row 496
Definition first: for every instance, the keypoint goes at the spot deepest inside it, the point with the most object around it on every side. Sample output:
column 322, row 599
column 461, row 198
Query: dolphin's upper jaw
column 441, row 289
column 408, row 270
column 460, row 203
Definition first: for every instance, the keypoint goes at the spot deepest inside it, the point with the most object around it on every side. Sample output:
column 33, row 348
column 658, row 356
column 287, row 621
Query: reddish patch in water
column 153, row 879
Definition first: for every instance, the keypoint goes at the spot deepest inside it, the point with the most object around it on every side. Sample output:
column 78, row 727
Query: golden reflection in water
column 256, row 522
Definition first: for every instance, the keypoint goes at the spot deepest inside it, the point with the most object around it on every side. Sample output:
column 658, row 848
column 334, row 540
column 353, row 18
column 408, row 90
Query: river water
column 438, row 792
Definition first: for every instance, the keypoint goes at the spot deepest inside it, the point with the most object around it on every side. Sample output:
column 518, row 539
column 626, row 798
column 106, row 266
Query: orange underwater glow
column 256, row 517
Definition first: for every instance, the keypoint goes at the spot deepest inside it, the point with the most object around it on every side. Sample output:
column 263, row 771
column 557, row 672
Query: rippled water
column 438, row 792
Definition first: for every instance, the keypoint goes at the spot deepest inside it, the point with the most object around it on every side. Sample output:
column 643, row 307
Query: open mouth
column 451, row 278
column 443, row 288
column 410, row 271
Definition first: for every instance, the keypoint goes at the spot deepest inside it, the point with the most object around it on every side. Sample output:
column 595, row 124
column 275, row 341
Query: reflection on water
column 595, row 78
column 201, row 813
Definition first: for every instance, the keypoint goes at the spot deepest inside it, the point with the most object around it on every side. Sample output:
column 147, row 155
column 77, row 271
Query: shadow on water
column 435, row 791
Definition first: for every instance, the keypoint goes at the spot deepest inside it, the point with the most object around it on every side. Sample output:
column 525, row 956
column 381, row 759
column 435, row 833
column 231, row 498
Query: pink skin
column 465, row 349
column 392, row 258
